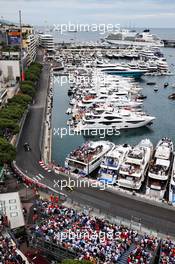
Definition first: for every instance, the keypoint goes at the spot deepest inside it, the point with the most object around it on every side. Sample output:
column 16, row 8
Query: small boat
column 151, row 83
column 69, row 92
column 141, row 97
column 172, row 96
column 69, row 111
column 166, row 85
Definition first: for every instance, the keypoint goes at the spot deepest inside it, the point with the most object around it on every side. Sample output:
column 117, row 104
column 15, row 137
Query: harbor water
column 157, row 104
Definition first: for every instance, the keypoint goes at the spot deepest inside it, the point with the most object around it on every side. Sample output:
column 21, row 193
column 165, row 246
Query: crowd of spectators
column 8, row 251
column 145, row 249
column 167, row 253
column 90, row 238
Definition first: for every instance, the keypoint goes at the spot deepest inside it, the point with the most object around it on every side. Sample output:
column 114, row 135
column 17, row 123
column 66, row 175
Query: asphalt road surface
column 152, row 216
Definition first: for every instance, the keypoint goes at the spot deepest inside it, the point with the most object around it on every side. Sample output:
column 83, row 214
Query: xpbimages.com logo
column 73, row 27
column 80, row 183
column 101, row 133
column 71, row 79
column 85, row 235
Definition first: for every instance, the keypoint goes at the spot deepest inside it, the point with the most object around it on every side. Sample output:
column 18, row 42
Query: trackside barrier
column 55, row 251
column 32, row 183
column 133, row 223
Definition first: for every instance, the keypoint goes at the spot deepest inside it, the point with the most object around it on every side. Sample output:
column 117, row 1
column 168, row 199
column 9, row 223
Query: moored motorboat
column 132, row 171
column 160, row 169
column 151, row 83
column 69, row 111
column 172, row 96
column 124, row 71
column 87, row 158
column 111, row 162
column 156, row 89
column 114, row 120
column 172, row 186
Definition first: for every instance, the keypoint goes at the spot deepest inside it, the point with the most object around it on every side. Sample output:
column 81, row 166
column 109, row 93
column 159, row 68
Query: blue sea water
column 156, row 104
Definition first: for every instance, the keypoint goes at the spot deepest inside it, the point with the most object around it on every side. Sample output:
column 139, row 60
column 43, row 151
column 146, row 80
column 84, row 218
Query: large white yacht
column 116, row 100
column 160, row 169
column 172, row 186
column 87, row 158
column 116, row 119
column 126, row 37
column 132, row 171
column 111, row 162
column 124, row 71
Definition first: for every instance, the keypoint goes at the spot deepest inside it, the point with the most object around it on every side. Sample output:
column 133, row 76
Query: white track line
column 41, row 176
column 35, row 179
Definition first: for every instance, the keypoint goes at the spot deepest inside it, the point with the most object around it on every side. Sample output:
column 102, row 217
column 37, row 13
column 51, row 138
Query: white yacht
column 162, row 65
column 146, row 53
column 172, row 186
column 116, row 100
column 111, row 162
column 114, row 120
column 132, row 171
column 124, row 71
column 87, row 158
column 126, row 37
column 160, row 169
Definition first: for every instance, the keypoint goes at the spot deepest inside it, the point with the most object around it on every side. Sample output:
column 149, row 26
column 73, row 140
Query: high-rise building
column 30, row 48
column 46, row 41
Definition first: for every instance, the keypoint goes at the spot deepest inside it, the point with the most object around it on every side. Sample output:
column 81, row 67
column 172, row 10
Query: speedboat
column 132, row 171
column 111, row 162
column 86, row 158
column 160, row 169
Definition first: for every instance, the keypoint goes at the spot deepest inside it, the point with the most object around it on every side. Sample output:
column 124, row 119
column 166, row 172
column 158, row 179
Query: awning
column 163, row 162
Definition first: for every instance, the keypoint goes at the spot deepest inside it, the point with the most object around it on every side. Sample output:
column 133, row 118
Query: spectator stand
column 45, row 234
column 167, row 251
column 9, row 253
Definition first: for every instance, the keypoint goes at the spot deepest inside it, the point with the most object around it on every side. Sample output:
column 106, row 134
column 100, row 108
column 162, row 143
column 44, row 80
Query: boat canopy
column 162, row 162
column 163, row 152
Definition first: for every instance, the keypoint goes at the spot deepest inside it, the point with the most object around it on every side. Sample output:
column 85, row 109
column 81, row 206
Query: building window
column 14, row 214
column 12, row 201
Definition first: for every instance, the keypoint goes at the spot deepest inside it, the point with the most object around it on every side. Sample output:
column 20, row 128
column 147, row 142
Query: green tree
column 7, row 152
column 12, row 112
column 33, row 72
column 28, row 82
column 20, row 99
column 31, row 75
column 28, row 89
column 8, row 126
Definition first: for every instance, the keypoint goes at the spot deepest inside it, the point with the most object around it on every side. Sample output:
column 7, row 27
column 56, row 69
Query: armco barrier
column 33, row 183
